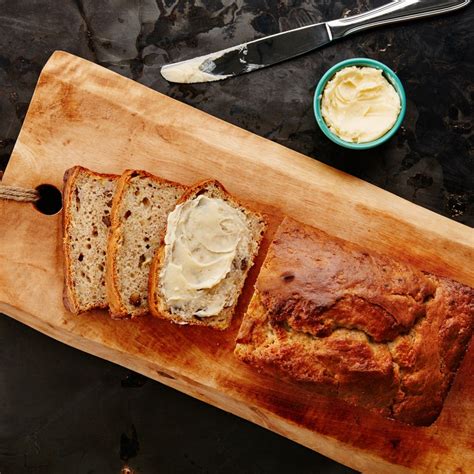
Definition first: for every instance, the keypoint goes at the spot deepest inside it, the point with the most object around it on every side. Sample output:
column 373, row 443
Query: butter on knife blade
column 203, row 68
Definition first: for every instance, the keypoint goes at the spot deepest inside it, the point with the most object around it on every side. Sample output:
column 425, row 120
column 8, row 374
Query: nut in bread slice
column 87, row 205
column 198, row 273
column 140, row 208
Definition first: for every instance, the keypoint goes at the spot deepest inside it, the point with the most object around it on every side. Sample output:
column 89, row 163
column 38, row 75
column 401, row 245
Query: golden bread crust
column 356, row 324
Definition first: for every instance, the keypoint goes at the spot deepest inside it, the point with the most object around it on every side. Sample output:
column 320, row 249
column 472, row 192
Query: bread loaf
column 210, row 244
column 355, row 324
column 87, row 203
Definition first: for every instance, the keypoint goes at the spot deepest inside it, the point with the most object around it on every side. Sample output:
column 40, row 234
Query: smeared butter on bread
column 210, row 244
column 204, row 237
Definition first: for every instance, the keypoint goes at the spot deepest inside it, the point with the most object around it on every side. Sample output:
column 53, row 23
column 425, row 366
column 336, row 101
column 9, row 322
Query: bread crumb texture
column 142, row 213
column 89, row 210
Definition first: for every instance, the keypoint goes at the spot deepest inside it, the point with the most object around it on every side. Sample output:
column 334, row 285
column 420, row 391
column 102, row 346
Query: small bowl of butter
column 359, row 103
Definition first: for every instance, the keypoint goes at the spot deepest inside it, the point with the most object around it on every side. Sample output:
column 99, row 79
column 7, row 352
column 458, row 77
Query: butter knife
column 263, row 52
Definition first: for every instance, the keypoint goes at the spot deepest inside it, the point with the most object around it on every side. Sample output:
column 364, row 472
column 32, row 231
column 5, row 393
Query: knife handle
column 399, row 10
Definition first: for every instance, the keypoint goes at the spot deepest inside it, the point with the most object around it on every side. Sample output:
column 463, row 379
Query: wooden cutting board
column 84, row 114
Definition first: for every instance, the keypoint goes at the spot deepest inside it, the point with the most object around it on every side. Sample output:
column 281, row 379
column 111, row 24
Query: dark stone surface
column 63, row 411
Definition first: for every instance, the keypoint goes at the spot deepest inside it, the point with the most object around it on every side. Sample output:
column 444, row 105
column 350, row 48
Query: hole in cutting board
column 50, row 201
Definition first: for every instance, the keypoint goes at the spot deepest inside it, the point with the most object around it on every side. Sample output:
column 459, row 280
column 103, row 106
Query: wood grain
column 84, row 114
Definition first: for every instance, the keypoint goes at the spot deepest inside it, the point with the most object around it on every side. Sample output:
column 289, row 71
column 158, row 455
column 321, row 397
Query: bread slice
column 225, row 292
column 87, row 203
column 140, row 208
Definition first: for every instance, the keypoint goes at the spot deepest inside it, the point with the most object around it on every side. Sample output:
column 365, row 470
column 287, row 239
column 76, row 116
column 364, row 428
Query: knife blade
column 248, row 57
column 263, row 52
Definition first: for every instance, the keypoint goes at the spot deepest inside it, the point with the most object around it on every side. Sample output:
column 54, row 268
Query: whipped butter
column 203, row 238
column 359, row 105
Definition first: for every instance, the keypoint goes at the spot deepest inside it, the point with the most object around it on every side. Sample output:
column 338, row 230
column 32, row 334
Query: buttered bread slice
column 140, row 208
column 210, row 244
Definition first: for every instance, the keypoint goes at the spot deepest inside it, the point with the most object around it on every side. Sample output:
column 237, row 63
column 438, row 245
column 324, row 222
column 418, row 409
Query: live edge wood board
column 84, row 114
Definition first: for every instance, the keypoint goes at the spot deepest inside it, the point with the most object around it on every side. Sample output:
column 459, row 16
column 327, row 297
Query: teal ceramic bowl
column 389, row 75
